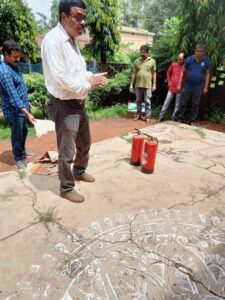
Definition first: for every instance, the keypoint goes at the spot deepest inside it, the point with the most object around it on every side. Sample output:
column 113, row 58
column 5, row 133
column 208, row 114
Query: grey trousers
column 167, row 102
column 146, row 95
column 73, row 138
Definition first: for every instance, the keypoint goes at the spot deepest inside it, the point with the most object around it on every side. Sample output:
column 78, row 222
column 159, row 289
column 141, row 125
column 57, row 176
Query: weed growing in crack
column 124, row 133
column 200, row 131
column 22, row 174
column 49, row 217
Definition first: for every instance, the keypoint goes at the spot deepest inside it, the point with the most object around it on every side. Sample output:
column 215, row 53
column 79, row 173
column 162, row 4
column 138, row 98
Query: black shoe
column 160, row 120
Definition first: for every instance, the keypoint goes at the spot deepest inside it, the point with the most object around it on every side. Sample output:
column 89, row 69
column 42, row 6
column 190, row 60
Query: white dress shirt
column 64, row 67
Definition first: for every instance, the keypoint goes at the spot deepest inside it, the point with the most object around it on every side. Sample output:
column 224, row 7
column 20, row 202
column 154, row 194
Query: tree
column 43, row 24
column 164, row 48
column 203, row 21
column 17, row 23
column 158, row 11
column 147, row 14
column 132, row 12
column 54, row 13
column 102, row 22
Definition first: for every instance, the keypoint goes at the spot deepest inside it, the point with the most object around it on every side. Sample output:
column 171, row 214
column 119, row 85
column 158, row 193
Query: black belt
column 72, row 103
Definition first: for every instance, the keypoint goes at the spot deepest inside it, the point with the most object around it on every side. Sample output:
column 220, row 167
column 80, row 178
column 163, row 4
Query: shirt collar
column 11, row 66
column 196, row 60
column 65, row 35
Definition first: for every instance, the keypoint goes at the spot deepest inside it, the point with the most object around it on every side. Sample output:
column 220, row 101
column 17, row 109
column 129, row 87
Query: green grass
column 109, row 112
column 200, row 131
column 48, row 218
column 5, row 132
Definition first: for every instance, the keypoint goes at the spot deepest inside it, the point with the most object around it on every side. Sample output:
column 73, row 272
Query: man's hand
column 179, row 88
column 98, row 80
column 131, row 88
column 205, row 91
column 30, row 118
column 153, row 87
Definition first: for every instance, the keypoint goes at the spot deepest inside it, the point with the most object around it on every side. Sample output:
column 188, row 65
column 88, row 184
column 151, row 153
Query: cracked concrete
column 137, row 236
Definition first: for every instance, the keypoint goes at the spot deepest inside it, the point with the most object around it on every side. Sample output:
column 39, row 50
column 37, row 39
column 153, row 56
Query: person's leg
column 177, row 106
column 67, row 126
column 166, row 104
column 184, row 99
column 25, row 132
column 139, row 99
column 18, row 133
column 196, row 97
column 83, row 144
column 147, row 98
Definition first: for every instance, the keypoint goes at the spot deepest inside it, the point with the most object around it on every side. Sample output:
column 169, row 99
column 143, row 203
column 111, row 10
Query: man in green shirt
column 144, row 75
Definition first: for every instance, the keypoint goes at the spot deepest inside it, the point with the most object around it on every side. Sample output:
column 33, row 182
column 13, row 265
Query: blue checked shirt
column 13, row 91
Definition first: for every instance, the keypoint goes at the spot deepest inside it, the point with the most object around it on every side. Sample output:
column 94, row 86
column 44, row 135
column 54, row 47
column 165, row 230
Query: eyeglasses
column 79, row 18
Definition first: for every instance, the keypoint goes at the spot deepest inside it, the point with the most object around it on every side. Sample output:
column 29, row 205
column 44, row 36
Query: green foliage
column 54, row 13
column 115, row 91
column 203, row 21
column 130, row 12
column 17, row 23
column 124, row 55
column 158, row 11
column 102, row 22
column 216, row 116
column 118, row 110
column 148, row 14
column 43, row 24
column 37, row 92
column 164, row 47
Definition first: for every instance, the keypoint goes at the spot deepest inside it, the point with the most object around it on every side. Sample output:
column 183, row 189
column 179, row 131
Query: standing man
column 68, row 82
column 173, row 75
column 197, row 74
column 15, row 105
column 144, row 76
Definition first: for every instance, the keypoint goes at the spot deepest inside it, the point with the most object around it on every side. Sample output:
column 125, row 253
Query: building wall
column 134, row 36
column 136, row 40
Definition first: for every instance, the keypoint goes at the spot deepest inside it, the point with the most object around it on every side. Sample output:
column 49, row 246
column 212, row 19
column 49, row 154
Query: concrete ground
column 137, row 236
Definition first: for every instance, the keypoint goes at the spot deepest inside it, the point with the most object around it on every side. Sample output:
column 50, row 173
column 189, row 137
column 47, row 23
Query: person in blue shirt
column 196, row 72
column 15, row 105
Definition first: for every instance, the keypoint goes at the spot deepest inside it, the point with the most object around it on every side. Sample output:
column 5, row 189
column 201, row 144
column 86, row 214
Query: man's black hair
column 200, row 46
column 144, row 48
column 9, row 46
column 65, row 6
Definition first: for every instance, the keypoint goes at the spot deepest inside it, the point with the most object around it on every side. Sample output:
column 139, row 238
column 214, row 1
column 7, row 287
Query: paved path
column 137, row 236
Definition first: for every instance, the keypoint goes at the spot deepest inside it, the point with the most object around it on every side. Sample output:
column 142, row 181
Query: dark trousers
column 193, row 95
column 73, row 138
column 19, row 132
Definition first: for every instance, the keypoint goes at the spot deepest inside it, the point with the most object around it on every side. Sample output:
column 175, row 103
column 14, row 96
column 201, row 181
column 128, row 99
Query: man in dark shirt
column 15, row 105
column 197, row 74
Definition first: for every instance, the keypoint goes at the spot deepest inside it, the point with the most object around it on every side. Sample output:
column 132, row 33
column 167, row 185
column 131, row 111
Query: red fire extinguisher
column 137, row 149
column 149, row 156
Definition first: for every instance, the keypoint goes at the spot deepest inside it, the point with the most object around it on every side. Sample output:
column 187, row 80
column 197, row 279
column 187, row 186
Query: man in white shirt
column 68, row 82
